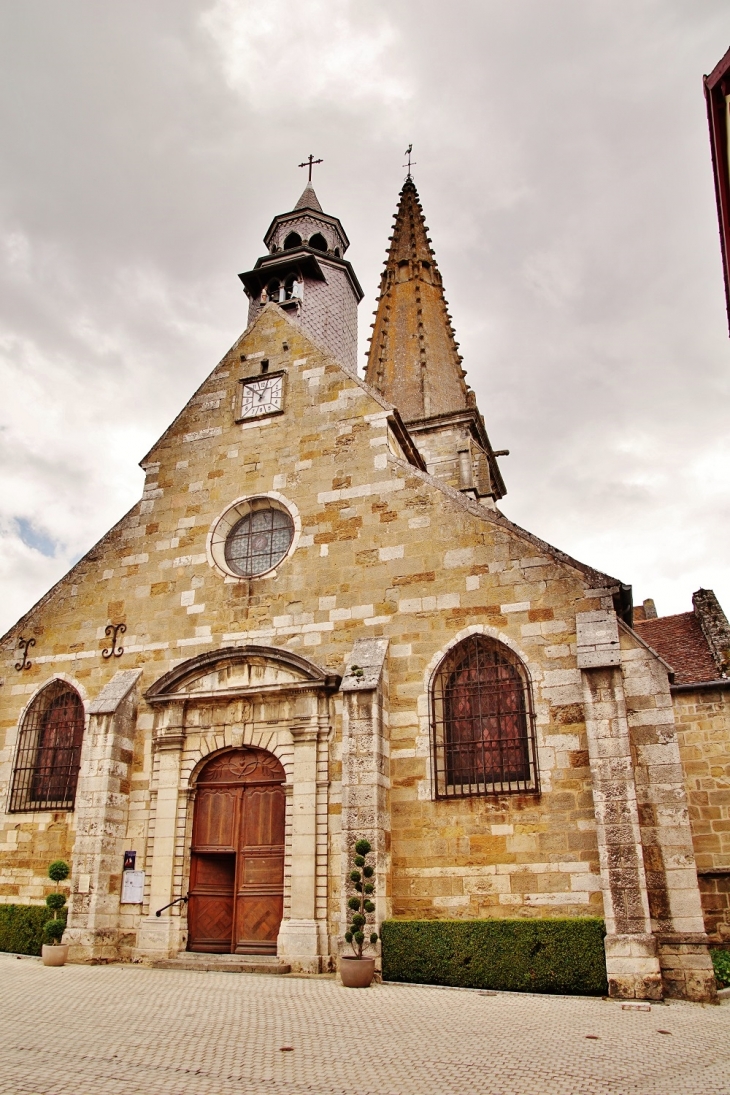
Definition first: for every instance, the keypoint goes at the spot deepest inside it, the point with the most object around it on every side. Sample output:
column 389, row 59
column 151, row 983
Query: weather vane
column 408, row 154
column 308, row 163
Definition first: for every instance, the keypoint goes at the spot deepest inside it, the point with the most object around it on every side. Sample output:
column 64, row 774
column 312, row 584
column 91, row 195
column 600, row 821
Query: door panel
column 215, row 818
column 211, row 902
column 262, row 870
column 258, row 919
column 263, row 817
column 260, row 892
column 236, row 893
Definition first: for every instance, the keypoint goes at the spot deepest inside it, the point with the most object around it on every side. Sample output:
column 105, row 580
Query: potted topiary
column 53, row 951
column 357, row 970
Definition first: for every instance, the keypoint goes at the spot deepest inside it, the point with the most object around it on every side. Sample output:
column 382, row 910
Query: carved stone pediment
column 240, row 671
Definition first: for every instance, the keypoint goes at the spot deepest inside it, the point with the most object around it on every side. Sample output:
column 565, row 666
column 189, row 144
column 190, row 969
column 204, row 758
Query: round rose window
column 259, row 540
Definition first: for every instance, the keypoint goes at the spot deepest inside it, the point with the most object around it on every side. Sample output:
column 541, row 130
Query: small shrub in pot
column 53, row 951
column 357, row 969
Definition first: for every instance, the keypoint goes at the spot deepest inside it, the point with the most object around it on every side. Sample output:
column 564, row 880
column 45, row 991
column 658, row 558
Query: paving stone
column 129, row 1030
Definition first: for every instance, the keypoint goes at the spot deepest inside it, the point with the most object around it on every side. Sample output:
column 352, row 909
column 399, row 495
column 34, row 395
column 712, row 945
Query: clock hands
column 262, row 397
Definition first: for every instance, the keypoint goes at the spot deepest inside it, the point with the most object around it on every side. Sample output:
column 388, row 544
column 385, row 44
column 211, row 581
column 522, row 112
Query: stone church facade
column 316, row 625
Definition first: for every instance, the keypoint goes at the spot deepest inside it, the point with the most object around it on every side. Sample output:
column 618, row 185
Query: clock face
column 262, row 395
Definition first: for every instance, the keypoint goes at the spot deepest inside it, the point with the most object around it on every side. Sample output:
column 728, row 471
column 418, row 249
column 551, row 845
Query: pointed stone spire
column 414, row 359
column 309, row 199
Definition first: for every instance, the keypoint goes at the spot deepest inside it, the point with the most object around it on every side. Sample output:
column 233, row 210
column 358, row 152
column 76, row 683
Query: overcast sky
column 564, row 168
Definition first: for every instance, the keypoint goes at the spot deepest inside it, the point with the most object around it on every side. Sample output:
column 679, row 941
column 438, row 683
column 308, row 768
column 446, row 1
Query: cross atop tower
column 408, row 154
column 310, row 163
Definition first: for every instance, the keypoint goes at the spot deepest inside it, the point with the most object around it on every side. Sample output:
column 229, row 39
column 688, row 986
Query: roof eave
column 308, row 259
column 254, row 280
column 406, row 441
column 721, row 69
column 699, row 686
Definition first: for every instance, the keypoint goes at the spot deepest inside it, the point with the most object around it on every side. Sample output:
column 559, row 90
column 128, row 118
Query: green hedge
column 21, row 927
column 721, row 965
column 556, row 955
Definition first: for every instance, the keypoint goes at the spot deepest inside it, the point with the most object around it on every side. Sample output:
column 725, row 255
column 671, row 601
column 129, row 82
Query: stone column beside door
column 298, row 939
column 163, row 936
column 302, row 939
column 366, row 810
column 102, row 806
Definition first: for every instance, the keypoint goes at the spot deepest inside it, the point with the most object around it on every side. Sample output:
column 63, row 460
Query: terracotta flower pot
column 356, row 973
column 54, row 955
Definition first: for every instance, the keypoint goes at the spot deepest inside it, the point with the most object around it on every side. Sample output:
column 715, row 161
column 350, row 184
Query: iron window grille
column 49, row 751
column 259, row 540
column 482, row 722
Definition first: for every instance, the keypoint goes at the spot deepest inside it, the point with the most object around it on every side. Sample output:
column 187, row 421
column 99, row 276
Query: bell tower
column 414, row 361
column 305, row 273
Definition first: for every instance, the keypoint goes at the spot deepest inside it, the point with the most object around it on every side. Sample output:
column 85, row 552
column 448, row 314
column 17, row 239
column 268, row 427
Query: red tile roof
column 681, row 642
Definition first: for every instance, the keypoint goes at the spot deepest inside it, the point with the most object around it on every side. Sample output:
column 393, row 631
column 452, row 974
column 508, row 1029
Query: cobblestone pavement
column 124, row 1030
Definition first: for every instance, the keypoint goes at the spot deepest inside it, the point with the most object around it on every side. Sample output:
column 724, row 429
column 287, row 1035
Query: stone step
column 223, row 963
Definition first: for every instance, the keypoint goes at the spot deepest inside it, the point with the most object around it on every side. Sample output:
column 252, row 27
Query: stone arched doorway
column 236, row 890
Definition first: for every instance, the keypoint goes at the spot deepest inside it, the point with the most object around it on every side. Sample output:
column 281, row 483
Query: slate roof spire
column 414, row 358
column 309, row 199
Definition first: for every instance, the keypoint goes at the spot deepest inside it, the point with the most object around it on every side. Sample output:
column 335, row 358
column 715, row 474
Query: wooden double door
column 236, row 891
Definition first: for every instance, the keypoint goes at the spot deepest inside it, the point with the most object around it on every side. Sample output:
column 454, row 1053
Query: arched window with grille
column 482, row 722
column 49, row 751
